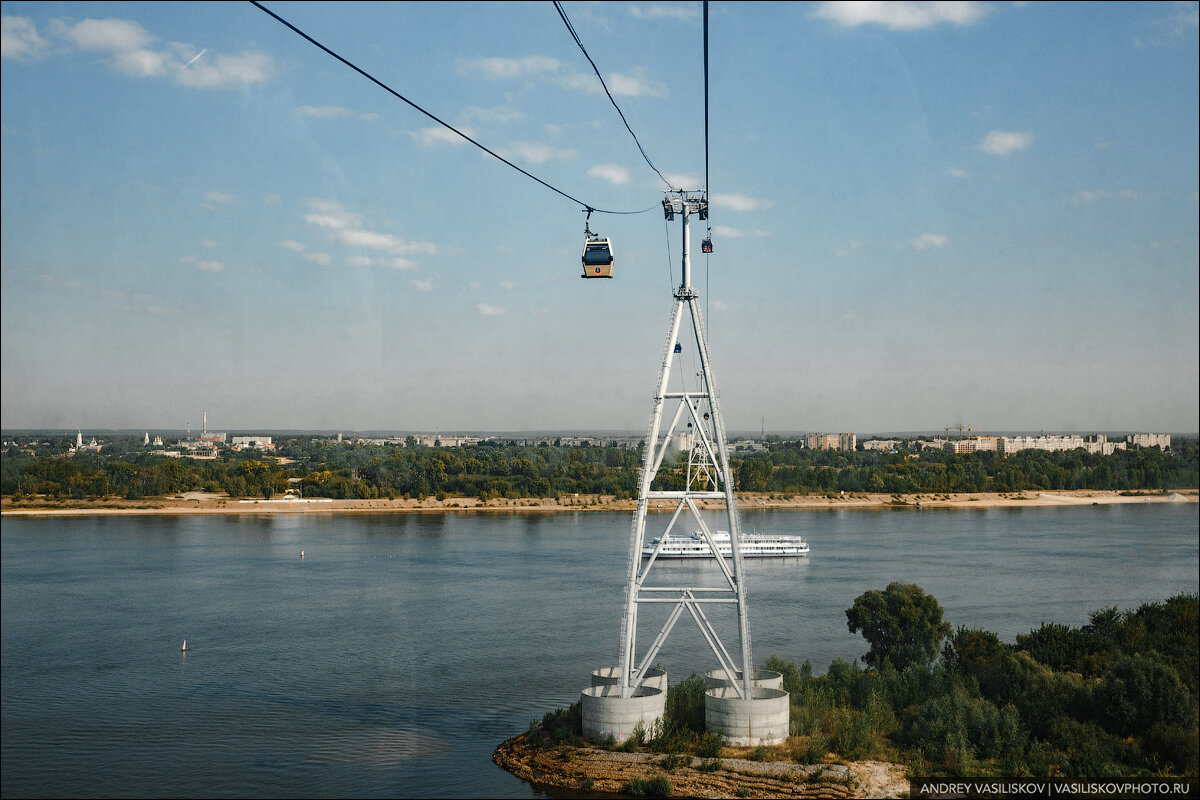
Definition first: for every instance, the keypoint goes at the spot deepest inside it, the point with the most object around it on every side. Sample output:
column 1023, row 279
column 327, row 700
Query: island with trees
column 1116, row 697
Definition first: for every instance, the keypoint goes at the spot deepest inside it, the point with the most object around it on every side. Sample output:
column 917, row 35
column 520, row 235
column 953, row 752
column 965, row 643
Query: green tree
column 902, row 624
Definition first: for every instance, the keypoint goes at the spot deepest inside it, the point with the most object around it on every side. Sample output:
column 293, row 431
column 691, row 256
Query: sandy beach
column 201, row 503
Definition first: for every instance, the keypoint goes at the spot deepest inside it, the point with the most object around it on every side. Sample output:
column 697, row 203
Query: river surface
column 393, row 657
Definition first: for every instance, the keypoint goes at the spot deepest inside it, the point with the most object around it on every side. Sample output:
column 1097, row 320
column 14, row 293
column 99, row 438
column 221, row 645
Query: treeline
column 788, row 468
column 1115, row 697
column 496, row 469
column 348, row 471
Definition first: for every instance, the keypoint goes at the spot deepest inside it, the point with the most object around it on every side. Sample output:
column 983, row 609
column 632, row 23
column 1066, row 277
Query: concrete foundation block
column 761, row 719
column 609, row 676
column 606, row 713
column 763, row 679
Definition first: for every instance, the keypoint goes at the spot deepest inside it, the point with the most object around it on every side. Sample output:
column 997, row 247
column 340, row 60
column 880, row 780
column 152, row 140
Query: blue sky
column 924, row 214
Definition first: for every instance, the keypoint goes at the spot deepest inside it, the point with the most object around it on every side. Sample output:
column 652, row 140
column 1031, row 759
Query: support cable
column 441, row 122
column 708, row 207
column 575, row 36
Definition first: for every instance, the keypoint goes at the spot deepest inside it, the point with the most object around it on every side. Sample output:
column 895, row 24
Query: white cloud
column 489, row 311
column 428, row 137
column 508, row 285
column 421, row 285
column 130, row 51
column 333, row 112
column 901, row 16
column 502, row 69
column 738, row 202
column 292, row 245
column 683, row 179
column 203, row 266
column 106, row 35
column 246, row 69
column 634, row 85
column 737, row 233
column 383, row 242
column 391, row 262
column 551, row 70
column 927, row 241
column 850, row 249
column 957, row 173
column 610, row 172
column 346, row 228
column 536, row 152
column 323, row 259
column 664, row 12
column 141, row 63
column 209, row 243
column 1001, row 143
column 618, row 84
column 20, row 40
column 218, row 198
column 272, row 199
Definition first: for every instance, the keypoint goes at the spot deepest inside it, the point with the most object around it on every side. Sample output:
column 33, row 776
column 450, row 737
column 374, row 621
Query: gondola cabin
column 597, row 258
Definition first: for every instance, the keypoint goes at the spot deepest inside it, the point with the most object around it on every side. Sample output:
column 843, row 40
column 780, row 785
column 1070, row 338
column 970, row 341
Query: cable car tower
column 707, row 477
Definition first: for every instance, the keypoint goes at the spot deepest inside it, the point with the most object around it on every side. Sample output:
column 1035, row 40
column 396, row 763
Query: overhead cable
column 441, row 122
column 604, row 85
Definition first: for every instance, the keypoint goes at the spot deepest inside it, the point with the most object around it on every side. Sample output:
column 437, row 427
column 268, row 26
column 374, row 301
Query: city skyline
column 923, row 214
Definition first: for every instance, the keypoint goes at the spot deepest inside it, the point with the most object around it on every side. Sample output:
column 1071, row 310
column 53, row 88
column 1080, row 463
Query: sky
column 923, row 214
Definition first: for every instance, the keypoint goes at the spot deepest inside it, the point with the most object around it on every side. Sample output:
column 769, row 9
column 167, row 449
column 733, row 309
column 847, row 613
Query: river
column 394, row 656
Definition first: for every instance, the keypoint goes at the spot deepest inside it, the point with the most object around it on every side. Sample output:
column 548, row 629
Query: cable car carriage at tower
column 597, row 254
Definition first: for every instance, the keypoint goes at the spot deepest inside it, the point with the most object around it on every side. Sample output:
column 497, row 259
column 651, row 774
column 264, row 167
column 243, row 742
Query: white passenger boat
column 753, row 545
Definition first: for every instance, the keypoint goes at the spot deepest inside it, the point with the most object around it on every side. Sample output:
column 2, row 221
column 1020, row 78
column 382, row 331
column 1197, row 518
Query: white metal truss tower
column 706, row 477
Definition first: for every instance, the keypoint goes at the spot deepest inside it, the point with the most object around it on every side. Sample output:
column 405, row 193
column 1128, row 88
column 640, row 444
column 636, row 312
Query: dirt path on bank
column 196, row 503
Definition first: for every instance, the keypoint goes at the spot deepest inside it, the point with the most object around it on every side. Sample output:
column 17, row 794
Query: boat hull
column 752, row 546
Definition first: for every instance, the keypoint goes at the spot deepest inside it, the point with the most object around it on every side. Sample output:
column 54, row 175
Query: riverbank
column 202, row 503
column 592, row 769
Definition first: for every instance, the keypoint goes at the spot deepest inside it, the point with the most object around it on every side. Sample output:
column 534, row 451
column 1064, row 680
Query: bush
column 1140, row 693
column 685, row 703
column 711, row 744
column 658, row 786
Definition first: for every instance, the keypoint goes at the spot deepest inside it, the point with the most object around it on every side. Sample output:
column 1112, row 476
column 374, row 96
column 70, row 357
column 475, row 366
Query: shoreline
column 199, row 503
column 596, row 772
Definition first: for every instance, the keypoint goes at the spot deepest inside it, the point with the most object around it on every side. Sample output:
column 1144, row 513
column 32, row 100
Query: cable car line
column 575, row 36
column 441, row 122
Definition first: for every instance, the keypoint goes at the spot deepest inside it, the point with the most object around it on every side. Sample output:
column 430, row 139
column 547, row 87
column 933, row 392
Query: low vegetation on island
column 493, row 469
column 1116, row 697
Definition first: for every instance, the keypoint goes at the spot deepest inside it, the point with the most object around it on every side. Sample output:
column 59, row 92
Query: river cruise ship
column 753, row 545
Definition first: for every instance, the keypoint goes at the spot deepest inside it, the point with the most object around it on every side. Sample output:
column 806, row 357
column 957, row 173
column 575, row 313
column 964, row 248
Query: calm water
column 393, row 658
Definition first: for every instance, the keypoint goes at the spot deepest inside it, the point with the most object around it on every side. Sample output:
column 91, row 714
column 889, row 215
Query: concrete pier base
column 606, row 713
column 762, row 718
column 609, row 676
column 763, row 679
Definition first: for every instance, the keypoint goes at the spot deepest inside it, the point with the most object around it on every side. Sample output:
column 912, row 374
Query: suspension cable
column 441, row 122
column 575, row 36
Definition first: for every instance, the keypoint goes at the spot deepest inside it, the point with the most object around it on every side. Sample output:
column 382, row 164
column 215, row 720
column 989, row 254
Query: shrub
column 658, row 786
column 685, row 703
column 711, row 744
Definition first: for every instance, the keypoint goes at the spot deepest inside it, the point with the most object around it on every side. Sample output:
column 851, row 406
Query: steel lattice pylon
column 707, row 477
